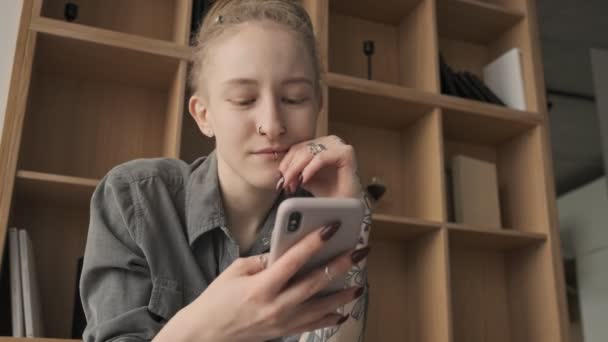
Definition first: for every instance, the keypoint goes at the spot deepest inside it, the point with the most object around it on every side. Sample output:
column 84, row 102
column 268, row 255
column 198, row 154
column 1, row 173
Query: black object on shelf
column 368, row 50
column 376, row 189
column 70, row 12
column 465, row 84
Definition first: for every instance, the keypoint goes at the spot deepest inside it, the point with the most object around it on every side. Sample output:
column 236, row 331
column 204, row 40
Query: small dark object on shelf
column 368, row 50
column 376, row 189
column 71, row 11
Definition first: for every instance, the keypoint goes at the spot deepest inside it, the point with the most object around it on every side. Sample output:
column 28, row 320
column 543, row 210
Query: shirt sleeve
column 353, row 329
column 115, row 284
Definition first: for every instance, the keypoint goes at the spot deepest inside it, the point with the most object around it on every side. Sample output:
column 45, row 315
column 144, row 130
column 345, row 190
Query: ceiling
column 568, row 30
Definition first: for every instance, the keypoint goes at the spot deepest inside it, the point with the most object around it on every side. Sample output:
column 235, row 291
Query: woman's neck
column 245, row 206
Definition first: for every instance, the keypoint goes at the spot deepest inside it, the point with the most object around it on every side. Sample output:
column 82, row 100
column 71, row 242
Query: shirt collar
column 204, row 206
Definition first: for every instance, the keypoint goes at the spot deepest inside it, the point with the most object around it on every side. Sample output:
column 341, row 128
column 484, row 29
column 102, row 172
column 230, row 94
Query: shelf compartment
column 492, row 238
column 472, row 34
column 51, row 224
column 408, row 289
column 51, row 187
column 397, row 28
column 159, row 19
column 405, row 158
column 473, row 20
column 100, row 107
column 495, row 295
column 519, row 168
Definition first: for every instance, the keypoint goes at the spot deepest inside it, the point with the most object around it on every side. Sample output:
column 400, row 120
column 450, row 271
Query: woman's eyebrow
column 298, row 80
column 241, row 81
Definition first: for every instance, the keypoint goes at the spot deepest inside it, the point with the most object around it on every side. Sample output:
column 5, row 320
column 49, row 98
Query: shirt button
column 265, row 241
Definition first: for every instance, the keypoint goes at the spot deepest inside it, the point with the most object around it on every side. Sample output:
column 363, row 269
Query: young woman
column 175, row 252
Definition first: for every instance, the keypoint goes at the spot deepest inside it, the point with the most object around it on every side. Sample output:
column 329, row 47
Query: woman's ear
column 200, row 113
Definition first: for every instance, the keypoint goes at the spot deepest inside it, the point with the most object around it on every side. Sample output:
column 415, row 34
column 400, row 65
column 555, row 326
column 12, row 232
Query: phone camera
column 294, row 221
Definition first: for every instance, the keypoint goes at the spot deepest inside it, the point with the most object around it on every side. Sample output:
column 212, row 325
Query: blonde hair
column 226, row 14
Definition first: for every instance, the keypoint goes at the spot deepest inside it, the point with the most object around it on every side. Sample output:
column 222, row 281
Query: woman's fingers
column 316, row 308
column 310, row 284
column 247, row 266
column 285, row 267
column 326, row 321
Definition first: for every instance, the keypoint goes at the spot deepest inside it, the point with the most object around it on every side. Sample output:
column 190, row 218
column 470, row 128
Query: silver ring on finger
column 328, row 274
column 315, row 148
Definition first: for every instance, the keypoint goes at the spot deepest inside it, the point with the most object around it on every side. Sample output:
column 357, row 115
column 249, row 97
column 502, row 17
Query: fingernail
column 329, row 231
column 280, row 183
column 342, row 320
column 359, row 292
column 300, row 179
column 360, row 254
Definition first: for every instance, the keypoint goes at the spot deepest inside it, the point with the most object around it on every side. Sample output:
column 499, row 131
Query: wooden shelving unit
column 110, row 87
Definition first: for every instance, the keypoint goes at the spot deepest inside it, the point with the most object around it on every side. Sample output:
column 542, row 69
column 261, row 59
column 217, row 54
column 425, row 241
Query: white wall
column 583, row 218
column 10, row 13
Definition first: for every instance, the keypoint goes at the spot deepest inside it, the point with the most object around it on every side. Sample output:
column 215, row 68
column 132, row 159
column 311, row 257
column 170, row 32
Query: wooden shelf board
column 474, row 21
column 491, row 238
column 64, row 52
column 31, row 185
column 388, row 12
column 356, row 100
column 110, row 38
column 463, row 118
column 388, row 227
column 372, row 103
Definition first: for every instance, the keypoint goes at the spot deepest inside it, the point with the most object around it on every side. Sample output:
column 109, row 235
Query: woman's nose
column 270, row 122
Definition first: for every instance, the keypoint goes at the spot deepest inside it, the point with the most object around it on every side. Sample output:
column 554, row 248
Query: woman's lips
column 274, row 155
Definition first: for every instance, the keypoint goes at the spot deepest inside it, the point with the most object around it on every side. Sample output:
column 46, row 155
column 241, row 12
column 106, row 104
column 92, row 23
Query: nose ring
column 260, row 130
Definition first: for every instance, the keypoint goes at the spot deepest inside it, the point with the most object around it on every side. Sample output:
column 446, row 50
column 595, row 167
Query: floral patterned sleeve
column 353, row 330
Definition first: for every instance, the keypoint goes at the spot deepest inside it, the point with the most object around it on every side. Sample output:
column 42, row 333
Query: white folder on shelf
column 31, row 298
column 504, row 76
column 16, row 287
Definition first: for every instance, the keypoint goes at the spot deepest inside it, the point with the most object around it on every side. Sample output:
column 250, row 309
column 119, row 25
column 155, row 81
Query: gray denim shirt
column 157, row 238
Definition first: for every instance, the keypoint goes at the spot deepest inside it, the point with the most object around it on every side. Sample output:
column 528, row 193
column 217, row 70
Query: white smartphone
column 298, row 216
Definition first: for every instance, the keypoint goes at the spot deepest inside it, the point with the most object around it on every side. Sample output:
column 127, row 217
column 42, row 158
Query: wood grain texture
column 110, row 38
column 13, row 118
column 388, row 12
column 408, row 290
column 54, row 188
column 480, row 297
column 148, row 18
column 176, row 107
column 83, row 128
column 474, row 21
column 482, row 238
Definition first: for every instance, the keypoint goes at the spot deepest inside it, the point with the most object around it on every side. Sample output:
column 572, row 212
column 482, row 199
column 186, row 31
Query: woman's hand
column 326, row 167
column 248, row 302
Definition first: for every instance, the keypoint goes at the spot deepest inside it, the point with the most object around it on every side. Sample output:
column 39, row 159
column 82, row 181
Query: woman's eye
column 245, row 102
column 295, row 101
